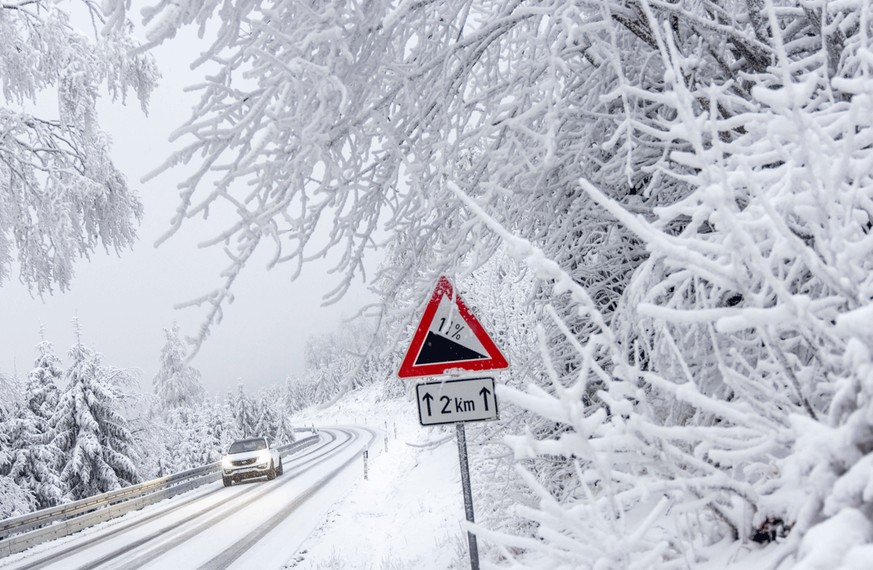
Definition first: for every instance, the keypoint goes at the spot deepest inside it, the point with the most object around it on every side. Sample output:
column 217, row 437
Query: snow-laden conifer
column 14, row 500
column 32, row 459
column 268, row 418
column 220, row 427
column 284, row 428
column 190, row 447
column 41, row 389
column 171, row 428
column 176, row 384
column 243, row 411
column 93, row 435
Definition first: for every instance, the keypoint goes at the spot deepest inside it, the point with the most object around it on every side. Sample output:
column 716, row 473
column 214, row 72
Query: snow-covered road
column 254, row 523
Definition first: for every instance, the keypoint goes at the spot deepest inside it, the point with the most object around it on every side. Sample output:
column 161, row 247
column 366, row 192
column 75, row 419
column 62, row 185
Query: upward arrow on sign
column 449, row 337
column 485, row 392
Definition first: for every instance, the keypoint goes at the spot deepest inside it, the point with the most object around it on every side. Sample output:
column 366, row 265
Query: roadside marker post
column 448, row 340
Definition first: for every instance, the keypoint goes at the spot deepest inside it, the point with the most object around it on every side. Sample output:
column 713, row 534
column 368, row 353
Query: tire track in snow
column 186, row 535
column 237, row 549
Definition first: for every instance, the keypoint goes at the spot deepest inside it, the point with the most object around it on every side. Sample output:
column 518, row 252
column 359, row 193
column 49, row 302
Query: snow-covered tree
column 219, row 428
column 736, row 374
column 268, row 420
column 176, row 384
column 31, row 459
column 10, row 392
column 190, row 449
column 284, row 429
column 272, row 415
column 14, row 500
column 176, row 428
column 41, row 390
column 28, row 456
column 151, row 438
column 192, row 437
column 243, row 410
column 61, row 196
column 94, row 437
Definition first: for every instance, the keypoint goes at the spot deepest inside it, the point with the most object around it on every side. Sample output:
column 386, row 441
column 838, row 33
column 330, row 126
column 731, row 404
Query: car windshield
column 247, row 445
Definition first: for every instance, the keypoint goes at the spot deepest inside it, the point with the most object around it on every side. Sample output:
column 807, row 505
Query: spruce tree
column 94, row 437
column 221, row 428
column 243, row 412
column 41, row 387
column 187, row 450
column 268, row 420
column 284, row 429
column 176, row 384
column 32, row 459
column 13, row 499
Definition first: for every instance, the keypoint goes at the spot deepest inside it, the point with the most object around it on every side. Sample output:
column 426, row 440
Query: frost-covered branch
column 61, row 196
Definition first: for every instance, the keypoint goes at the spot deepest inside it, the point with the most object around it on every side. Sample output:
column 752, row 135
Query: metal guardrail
column 21, row 532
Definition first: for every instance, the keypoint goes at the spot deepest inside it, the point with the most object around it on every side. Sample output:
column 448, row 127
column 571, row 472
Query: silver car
column 253, row 457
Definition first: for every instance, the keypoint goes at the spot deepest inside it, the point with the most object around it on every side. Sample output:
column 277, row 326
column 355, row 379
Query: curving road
column 254, row 524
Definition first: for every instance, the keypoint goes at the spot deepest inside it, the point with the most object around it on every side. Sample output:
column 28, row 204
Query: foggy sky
column 123, row 302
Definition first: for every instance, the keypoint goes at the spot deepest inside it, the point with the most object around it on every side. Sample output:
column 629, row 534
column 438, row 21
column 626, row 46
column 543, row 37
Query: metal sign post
column 468, row 493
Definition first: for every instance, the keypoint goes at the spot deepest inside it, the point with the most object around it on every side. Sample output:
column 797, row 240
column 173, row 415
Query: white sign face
column 452, row 401
column 449, row 324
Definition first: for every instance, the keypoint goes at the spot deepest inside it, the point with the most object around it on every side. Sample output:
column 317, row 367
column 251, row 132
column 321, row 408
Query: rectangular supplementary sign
column 452, row 401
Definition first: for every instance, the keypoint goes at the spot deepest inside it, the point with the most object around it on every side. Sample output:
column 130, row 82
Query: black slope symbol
column 438, row 349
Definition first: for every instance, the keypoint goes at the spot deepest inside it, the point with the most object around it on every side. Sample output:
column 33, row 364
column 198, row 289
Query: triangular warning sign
column 449, row 337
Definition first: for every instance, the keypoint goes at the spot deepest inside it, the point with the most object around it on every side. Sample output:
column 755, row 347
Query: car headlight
column 225, row 463
column 264, row 456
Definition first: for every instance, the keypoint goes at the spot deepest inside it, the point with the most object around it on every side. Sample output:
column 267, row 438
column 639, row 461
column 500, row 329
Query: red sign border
column 408, row 369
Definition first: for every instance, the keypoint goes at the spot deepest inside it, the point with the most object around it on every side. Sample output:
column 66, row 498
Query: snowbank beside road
column 409, row 511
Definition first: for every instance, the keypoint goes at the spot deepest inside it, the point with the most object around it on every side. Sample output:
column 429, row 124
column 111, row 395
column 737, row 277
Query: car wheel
column 227, row 481
column 271, row 474
column 281, row 468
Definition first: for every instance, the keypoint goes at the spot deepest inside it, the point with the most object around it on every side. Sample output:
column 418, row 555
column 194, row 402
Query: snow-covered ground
column 407, row 515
